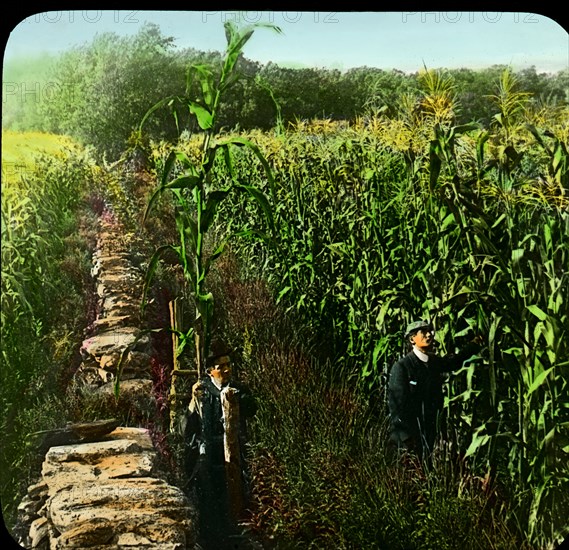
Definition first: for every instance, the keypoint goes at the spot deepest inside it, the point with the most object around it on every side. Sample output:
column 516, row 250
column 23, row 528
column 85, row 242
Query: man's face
column 424, row 338
column 221, row 371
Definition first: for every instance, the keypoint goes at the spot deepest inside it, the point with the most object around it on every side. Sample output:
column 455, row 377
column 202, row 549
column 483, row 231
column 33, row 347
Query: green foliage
column 45, row 282
column 418, row 217
column 197, row 194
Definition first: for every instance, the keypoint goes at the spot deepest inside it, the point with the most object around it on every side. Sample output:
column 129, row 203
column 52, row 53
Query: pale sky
column 401, row 40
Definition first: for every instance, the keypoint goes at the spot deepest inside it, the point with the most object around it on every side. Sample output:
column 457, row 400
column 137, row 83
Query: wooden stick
column 175, row 323
column 230, row 404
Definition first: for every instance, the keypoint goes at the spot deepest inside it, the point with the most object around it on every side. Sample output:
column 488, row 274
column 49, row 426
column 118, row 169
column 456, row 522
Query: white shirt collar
column 422, row 356
column 216, row 383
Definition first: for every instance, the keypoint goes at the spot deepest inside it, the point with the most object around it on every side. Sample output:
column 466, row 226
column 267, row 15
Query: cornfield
column 390, row 219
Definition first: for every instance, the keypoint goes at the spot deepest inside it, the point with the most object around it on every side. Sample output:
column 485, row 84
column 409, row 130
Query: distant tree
column 297, row 90
column 473, row 89
column 560, row 83
column 476, row 86
column 246, row 103
column 544, row 86
column 385, row 87
column 104, row 89
column 355, row 87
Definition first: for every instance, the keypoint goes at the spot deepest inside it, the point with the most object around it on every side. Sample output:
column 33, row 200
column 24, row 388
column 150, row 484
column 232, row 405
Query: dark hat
column 416, row 325
column 218, row 348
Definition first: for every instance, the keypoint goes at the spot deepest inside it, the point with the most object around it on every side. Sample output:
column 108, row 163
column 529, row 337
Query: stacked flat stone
column 106, row 494
column 117, row 344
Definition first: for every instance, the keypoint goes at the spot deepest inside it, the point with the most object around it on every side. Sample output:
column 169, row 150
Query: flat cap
column 416, row 325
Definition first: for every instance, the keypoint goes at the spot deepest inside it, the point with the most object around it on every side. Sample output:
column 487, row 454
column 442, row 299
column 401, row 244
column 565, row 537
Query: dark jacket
column 415, row 397
column 207, row 431
column 205, row 454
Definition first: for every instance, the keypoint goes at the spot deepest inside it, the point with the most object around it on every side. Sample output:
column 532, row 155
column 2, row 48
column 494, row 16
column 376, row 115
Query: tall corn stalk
column 198, row 195
column 517, row 247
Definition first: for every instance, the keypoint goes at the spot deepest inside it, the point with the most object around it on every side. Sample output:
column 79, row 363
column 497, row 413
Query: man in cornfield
column 215, row 432
column 415, row 389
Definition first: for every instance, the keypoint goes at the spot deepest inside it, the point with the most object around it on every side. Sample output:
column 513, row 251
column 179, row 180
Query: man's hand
column 198, row 390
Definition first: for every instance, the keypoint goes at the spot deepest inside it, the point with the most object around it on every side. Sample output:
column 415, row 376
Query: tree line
column 99, row 92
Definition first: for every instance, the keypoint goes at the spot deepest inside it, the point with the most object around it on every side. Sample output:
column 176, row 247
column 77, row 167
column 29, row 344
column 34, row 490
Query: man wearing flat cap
column 415, row 389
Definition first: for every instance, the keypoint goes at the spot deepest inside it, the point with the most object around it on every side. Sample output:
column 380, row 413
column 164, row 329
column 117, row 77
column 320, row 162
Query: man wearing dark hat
column 205, row 432
column 415, row 389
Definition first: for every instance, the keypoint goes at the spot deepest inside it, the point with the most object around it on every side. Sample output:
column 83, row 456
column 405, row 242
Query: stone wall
column 117, row 340
column 100, row 486
column 106, row 494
